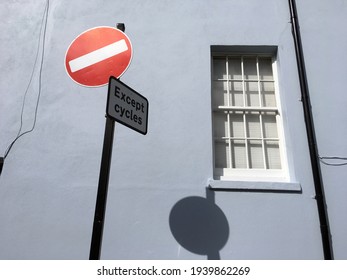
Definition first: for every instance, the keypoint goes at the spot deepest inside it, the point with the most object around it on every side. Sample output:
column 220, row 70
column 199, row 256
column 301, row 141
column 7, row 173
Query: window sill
column 255, row 186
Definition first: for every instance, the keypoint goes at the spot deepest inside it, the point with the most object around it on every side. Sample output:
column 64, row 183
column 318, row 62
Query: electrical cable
column 339, row 158
column 324, row 161
column 42, row 29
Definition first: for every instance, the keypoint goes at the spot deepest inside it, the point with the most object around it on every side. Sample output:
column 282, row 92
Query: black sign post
column 100, row 207
column 129, row 108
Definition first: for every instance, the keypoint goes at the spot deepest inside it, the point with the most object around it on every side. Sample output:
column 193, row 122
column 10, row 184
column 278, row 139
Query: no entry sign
column 97, row 54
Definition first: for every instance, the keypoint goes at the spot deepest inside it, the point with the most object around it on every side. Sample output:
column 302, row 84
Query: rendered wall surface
column 158, row 182
column 324, row 44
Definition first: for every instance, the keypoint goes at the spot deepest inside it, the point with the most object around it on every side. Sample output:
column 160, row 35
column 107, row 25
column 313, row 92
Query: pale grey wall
column 49, row 181
column 323, row 27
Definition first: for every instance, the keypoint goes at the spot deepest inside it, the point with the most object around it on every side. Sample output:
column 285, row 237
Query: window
column 247, row 134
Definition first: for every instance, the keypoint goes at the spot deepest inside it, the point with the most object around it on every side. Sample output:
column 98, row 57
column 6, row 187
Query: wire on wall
column 333, row 161
column 43, row 35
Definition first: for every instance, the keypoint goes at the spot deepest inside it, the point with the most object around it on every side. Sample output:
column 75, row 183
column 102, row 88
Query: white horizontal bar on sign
column 98, row 55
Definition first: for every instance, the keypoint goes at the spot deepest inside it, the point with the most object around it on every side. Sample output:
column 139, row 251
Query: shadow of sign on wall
column 199, row 225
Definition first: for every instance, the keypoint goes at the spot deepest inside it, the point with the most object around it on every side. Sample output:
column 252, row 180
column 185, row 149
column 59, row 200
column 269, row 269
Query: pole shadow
column 199, row 225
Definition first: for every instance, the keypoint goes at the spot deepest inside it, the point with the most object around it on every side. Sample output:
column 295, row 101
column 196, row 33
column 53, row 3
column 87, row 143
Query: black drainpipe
column 305, row 98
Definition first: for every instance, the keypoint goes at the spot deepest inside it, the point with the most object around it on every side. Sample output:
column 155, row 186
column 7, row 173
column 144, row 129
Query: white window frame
column 277, row 179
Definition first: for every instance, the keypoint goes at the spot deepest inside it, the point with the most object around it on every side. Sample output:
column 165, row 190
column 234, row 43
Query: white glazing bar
column 280, row 141
column 249, row 138
column 243, row 83
column 260, row 116
column 258, row 81
column 244, row 115
column 247, row 109
column 229, row 143
column 246, row 139
column 228, row 115
column 262, row 140
column 227, row 73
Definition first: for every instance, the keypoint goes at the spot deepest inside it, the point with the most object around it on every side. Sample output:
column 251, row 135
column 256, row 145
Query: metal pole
column 100, row 207
column 317, row 176
column 101, row 199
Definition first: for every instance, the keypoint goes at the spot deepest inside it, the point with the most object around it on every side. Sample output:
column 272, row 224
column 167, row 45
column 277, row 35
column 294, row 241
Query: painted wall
column 158, row 182
column 324, row 43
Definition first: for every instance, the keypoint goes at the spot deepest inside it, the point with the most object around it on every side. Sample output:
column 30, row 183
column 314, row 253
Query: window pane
column 238, row 154
column 250, row 68
column 219, row 68
column 255, row 154
column 220, row 94
column 236, row 126
column 234, row 65
column 252, row 94
column 220, row 125
column 253, row 126
column 265, row 68
column 272, row 153
column 222, row 155
column 236, row 93
column 268, row 94
column 270, row 125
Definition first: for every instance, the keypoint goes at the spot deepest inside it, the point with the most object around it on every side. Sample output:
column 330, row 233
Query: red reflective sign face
column 97, row 54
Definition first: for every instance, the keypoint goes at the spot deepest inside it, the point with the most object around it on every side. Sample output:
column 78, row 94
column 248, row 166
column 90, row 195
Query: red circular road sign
column 97, row 54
